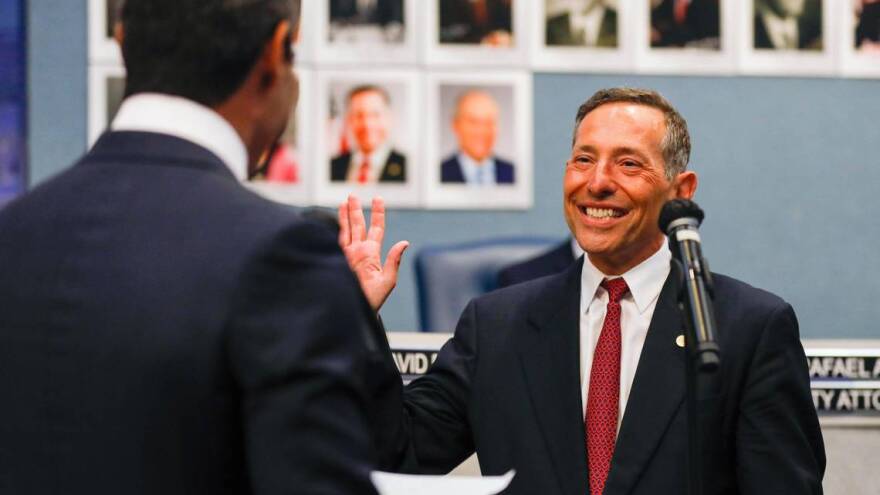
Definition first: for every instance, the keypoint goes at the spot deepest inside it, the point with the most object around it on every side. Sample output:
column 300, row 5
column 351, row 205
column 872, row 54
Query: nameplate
column 844, row 374
column 845, row 383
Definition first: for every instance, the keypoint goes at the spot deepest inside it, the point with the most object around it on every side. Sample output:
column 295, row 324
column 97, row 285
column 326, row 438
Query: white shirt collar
column 377, row 163
column 186, row 119
column 473, row 170
column 576, row 250
column 783, row 31
column 645, row 280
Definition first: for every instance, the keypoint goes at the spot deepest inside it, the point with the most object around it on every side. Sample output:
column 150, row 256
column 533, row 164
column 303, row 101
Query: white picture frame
column 854, row 62
column 404, row 87
column 304, row 45
column 298, row 193
column 778, row 62
column 688, row 60
column 364, row 46
column 103, row 48
column 513, row 143
column 473, row 54
column 557, row 58
column 104, row 83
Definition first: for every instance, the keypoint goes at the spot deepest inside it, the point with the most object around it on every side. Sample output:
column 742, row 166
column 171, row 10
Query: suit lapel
column 549, row 351
column 657, row 392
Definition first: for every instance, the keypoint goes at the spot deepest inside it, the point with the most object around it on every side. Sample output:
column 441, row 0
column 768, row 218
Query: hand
column 363, row 249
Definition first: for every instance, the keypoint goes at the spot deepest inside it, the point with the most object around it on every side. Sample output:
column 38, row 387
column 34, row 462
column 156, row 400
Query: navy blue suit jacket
column 507, row 386
column 165, row 330
column 451, row 171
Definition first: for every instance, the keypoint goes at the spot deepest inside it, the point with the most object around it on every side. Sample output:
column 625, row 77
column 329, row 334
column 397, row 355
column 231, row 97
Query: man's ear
column 277, row 55
column 685, row 185
column 118, row 33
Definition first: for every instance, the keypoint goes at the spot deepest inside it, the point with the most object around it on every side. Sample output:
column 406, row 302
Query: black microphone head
column 679, row 208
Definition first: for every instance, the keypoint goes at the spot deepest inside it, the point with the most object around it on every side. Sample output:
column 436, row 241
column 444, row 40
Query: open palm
column 363, row 249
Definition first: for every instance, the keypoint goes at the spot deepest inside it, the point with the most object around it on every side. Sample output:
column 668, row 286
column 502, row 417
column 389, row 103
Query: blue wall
column 789, row 174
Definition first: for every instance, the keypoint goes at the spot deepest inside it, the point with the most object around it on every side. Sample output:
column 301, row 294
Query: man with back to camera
column 163, row 329
column 475, row 125
column 368, row 118
column 576, row 380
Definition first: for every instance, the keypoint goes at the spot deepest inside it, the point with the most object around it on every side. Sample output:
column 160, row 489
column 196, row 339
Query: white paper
column 409, row 484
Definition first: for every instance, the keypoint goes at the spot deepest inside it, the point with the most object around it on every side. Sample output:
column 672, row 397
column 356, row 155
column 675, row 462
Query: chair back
column 449, row 276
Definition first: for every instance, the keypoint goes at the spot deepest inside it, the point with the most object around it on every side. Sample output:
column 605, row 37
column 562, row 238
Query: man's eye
column 630, row 163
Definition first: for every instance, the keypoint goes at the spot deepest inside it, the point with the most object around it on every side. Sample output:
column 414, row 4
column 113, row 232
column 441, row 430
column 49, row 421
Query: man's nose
column 601, row 181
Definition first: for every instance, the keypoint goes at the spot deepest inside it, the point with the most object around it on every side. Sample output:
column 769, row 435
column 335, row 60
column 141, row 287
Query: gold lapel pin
column 679, row 341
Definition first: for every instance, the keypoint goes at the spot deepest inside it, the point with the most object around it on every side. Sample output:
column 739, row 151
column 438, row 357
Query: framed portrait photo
column 476, row 32
column 106, row 90
column 357, row 32
column 479, row 140
column 102, row 18
column 860, row 38
column 687, row 36
column 368, row 136
column 789, row 37
column 285, row 172
column 583, row 35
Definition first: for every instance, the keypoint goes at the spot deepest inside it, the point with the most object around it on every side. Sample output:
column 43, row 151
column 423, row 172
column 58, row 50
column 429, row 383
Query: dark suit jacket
column 384, row 12
column 553, row 261
column 702, row 21
column 507, row 385
column 393, row 171
column 165, row 330
column 459, row 23
column 809, row 29
column 558, row 31
column 452, row 172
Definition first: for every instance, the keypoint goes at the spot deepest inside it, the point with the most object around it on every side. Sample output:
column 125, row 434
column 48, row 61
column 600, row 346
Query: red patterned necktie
column 603, row 400
column 364, row 170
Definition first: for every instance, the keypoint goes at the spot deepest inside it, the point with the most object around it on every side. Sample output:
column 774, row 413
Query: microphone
column 679, row 219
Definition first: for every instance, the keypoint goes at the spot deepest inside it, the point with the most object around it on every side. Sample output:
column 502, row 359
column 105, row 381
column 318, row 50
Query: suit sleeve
column 295, row 342
column 779, row 443
column 425, row 429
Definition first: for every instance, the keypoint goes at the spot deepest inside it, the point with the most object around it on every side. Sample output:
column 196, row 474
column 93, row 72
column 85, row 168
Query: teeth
column 602, row 212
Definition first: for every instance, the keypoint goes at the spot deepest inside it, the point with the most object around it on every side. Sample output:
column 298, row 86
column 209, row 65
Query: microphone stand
column 697, row 361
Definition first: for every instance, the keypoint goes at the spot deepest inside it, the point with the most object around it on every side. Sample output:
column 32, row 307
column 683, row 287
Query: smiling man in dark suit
column 577, row 380
column 165, row 330
column 368, row 118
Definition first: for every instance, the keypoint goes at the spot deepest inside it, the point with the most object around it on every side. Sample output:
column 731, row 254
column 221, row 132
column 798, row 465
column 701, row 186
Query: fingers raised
column 392, row 262
column 377, row 221
column 357, row 222
column 344, row 227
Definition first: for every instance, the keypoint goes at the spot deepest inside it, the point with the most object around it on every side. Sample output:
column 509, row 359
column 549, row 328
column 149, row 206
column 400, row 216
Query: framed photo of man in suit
column 688, row 37
column 479, row 141
column 789, row 37
column 285, row 172
column 103, row 15
column 369, row 143
column 579, row 35
column 860, row 38
column 106, row 90
column 476, row 32
column 366, row 31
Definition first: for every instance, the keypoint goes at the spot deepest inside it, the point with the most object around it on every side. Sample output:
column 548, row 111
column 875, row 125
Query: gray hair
column 676, row 144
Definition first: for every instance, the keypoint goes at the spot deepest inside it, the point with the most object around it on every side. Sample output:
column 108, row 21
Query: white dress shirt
column 782, row 31
column 376, row 159
column 477, row 173
column 588, row 22
column 636, row 309
column 185, row 119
